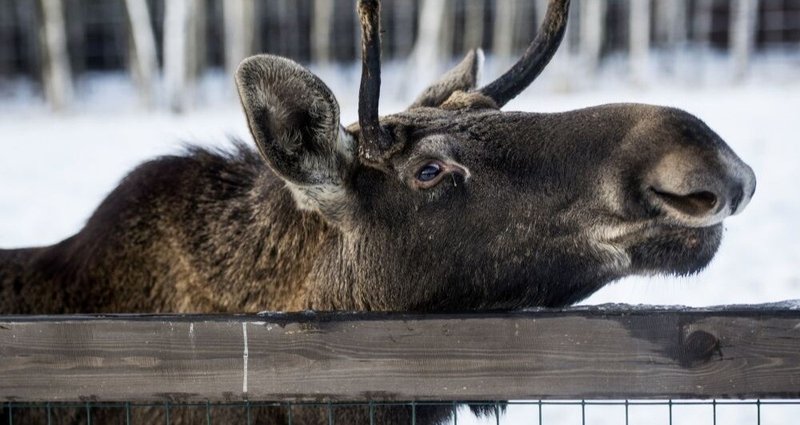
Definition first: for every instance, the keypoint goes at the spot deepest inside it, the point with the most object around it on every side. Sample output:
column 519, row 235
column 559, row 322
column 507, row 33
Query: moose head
column 454, row 204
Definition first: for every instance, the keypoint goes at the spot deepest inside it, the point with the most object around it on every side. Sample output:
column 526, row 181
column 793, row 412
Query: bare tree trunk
column 473, row 25
column 238, row 26
column 448, row 31
column 671, row 22
column 144, row 59
column 403, row 29
column 671, row 31
column 503, row 38
column 427, row 55
column 702, row 23
column 322, row 30
column 523, row 31
column 592, row 25
column 743, row 32
column 290, row 34
column 639, row 41
column 177, row 24
column 57, row 76
column 197, row 41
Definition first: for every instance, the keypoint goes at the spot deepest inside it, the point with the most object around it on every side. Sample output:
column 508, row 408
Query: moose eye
column 429, row 171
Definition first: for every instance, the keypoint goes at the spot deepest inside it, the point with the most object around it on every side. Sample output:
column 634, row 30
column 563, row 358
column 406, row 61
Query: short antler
column 373, row 140
column 535, row 58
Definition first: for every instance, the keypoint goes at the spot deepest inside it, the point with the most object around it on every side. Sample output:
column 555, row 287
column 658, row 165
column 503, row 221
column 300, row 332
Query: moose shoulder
column 449, row 205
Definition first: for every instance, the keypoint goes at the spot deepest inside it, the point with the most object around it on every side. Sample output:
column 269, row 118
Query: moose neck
column 200, row 244
column 267, row 266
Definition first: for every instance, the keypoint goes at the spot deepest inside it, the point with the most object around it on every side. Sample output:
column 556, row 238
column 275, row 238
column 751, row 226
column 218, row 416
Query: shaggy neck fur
column 206, row 232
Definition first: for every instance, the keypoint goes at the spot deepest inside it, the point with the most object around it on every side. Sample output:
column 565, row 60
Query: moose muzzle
column 695, row 191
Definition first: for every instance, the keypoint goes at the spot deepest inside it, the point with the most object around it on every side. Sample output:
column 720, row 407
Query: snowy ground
column 54, row 169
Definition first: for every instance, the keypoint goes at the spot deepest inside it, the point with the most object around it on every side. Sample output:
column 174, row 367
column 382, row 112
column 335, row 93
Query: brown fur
column 525, row 210
column 179, row 234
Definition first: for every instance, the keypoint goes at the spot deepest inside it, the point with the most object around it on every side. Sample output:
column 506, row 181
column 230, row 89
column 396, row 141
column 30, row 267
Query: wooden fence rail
column 585, row 353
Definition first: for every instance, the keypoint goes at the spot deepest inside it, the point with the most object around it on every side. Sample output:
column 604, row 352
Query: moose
column 450, row 205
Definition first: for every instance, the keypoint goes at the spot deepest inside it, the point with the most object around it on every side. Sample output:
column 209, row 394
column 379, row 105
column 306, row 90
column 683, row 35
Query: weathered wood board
column 585, row 353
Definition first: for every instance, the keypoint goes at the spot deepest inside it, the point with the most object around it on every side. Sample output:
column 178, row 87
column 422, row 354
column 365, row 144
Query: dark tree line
column 171, row 42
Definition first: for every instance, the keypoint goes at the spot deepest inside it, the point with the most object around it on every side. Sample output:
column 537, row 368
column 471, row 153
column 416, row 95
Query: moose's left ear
column 463, row 77
column 294, row 119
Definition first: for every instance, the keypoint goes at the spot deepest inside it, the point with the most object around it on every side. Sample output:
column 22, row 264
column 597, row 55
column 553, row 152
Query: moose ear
column 294, row 119
column 463, row 77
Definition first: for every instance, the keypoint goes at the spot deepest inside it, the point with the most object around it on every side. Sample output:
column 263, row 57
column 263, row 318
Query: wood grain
column 586, row 353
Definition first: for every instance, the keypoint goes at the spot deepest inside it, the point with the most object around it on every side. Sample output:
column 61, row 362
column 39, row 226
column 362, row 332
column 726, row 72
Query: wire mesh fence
column 535, row 412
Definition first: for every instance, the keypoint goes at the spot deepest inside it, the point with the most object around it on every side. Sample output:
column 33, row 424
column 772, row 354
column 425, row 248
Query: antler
column 373, row 140
column 535, row 58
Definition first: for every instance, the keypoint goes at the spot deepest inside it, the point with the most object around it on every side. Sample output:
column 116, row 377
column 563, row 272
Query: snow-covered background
column 55, row 169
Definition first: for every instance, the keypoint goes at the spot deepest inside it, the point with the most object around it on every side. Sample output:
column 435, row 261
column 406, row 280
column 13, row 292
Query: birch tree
column 427, row 54
column 701, row 25
column 177, row 23
column 671, row 22
column 403, row 28
column 289, row 28
column 473, row 24
column 592, row 25
column 448, row 30
column 743, row 33
column 198, row 44
column 639, row 39
column 503, row 36
column 238, row 22
column 57, row 76
column 321, row 31
column 144, row 59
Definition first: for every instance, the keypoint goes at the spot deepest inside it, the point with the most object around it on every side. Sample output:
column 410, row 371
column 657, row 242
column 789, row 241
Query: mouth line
column 618, row 234
column 655, row 247
column 615, row 233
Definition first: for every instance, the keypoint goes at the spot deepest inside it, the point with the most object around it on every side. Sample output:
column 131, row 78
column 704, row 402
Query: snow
column 55, row 169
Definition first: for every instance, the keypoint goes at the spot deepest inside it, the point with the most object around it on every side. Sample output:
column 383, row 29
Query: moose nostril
column 695, row 204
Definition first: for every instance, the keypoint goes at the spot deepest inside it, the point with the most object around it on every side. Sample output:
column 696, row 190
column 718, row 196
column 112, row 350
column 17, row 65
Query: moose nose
column 693, row 192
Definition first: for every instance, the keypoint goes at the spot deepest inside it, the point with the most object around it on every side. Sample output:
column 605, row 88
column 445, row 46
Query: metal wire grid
column 494, row 410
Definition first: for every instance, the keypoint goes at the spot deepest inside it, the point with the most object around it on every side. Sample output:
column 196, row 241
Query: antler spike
column 535, row 58
column 373, row 139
